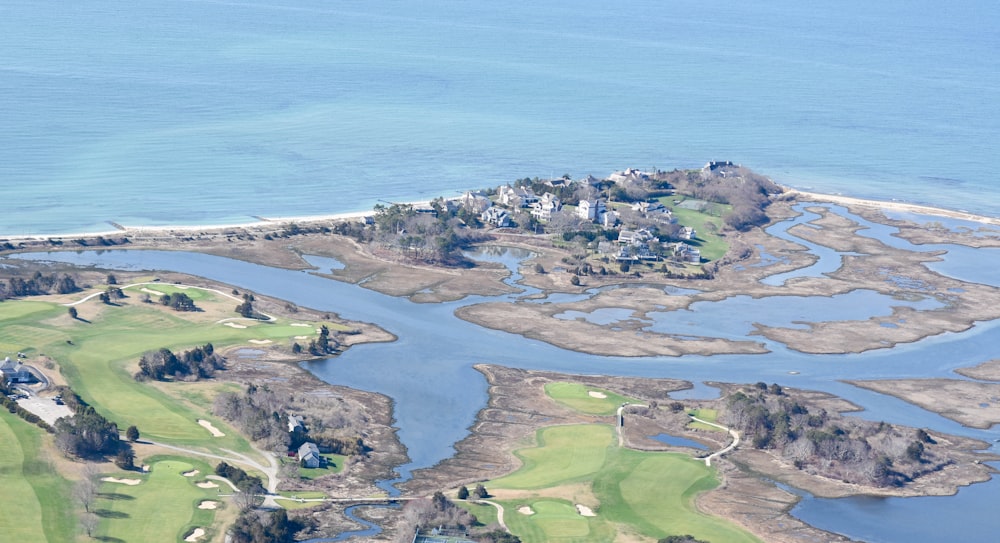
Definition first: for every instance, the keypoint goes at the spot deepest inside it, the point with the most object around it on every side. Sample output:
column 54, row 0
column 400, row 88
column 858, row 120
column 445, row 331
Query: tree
column 112, row 280
column 88, row 523
column 480, row 492
column 125, row 459
column 85, row 490
column 132, row 434
column 575, row 280
column 72, row 312
column 463, row 493
column 249, row 497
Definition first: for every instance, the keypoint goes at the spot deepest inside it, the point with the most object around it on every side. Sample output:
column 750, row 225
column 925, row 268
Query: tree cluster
column 198, row 363
column 324, row 344
column 246, row 309
column 849, row 449
column 87, row 433
column 259, row 413
column 265, row 527
column 437, row 237
column 237, row 476
column 748, row 192
column 37, row 285
column 178, row 301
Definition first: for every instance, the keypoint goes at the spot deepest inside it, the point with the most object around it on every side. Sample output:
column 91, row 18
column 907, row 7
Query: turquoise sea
column 191, row 112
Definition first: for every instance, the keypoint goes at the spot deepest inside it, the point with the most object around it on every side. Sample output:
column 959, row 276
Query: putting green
column 586, row 399
column 163, row 507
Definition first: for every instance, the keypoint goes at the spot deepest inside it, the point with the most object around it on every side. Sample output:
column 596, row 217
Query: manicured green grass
column 164, row 507
column 195, row 294
column 707, row 415
column 100, row 361
column 334, row 464
column 485, row 514
column 648, row 493
column 555, row 520
column 565, row 454
column 35, row 500
column 577, row 396
column 706, row 227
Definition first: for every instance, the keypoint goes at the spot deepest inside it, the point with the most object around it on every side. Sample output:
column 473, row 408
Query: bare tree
column 248, row 499
column 85, row 490
column 88, row 523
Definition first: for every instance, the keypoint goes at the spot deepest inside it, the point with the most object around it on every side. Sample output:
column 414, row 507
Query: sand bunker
column 191, row 473
column 206, row 484
column 585, row 511
column 129, row 482
column 208, row 426
column 525, row 510
column 197, row 534
column 208, row 504
column 260, row 341
column 151, row 291
column 596, row 394
column 301, row 324
column 301, row 337
column 233, row 325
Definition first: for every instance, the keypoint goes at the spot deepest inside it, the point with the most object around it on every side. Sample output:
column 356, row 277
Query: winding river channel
column 428, row 371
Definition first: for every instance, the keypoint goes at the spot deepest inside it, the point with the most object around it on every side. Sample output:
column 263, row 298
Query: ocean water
column 192, row 112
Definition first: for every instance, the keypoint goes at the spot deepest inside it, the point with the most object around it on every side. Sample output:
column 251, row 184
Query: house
column 592, row 210
column 629, row 175
column 687, row 233
column 309, row 455
column 13, row 371
column 295, row 424
column 475, row 201
column 687, row 253
column 653, row 210
column 496, row 216
column 635, row 237
column 516, row 196
column 545, row 206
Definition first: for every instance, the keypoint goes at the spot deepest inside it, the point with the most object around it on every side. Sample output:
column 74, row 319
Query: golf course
column 575, row 484
column 94, row 347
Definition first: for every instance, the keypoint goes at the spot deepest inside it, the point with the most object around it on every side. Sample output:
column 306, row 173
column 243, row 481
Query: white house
column 475, row 202
column 687, row 233
column 687, row 253
column 295, row 424
column 516, row 196
column 545, row 206
column 592, row 210
column 309, row 455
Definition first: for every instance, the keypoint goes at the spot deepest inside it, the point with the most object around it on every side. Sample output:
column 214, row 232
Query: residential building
column 309, row 456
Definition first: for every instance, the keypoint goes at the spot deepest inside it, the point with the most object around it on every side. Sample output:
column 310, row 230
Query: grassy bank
column 35, row 500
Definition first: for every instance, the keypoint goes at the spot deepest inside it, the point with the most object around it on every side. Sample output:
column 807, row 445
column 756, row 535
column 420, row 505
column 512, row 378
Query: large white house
column 592, row 210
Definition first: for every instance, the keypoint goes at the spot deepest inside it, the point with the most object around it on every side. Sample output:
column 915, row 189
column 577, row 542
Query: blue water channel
column 428, row 370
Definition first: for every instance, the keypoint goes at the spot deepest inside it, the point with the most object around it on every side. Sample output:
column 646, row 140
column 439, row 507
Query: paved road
column 621, row 421
column 499, row 513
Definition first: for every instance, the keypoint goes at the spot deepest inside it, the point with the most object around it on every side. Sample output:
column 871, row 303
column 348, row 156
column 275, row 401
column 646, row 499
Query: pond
column 678, row 441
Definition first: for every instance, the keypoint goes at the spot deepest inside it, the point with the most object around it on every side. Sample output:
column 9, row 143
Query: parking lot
column 45, row 408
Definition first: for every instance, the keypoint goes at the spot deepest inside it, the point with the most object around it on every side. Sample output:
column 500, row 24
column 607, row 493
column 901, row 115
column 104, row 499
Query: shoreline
column 171, row 230
column 891, row 205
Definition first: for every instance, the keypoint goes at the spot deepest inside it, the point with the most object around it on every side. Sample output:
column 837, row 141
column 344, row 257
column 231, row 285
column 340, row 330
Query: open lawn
column 334, row 464
column 587, row 399
column 706, row 226
column 163, row 507
column 644, row 493
column 35, row 500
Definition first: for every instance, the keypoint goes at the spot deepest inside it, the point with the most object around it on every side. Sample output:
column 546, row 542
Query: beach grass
column 36, row 501
column 646, row 494
column 162, row 507
column 586, row 399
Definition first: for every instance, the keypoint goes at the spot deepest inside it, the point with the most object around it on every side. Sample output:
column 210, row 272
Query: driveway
column 45, row 408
